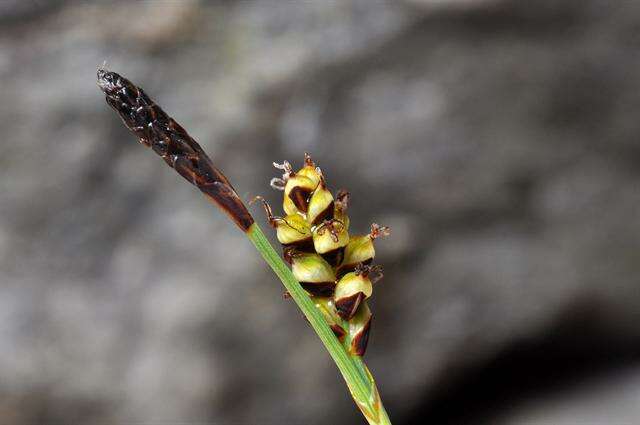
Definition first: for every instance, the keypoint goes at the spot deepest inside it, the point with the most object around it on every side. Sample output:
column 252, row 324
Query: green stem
column 354, row 371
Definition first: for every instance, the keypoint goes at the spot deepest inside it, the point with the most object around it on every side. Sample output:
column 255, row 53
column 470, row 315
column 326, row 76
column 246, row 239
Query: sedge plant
column 324, row 269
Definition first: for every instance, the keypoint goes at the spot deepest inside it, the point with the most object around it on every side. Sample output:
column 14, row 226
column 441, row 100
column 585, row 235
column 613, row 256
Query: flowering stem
column 157, row 130
column 356, row 374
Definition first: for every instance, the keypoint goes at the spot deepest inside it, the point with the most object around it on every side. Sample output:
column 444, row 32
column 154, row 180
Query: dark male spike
column 167, row 138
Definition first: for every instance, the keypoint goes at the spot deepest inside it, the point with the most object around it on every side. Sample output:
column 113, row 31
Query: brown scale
column 360, row 341
column 304, row 245
column 167, row 138
column 334, row 257
column 347, row 306
column 339, row 332
column 319, row 289
column 300, row 198
column 326, row 215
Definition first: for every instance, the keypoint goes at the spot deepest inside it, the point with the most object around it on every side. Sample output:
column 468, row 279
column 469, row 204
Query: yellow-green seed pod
column 314, row 274
column 360, row 249
column 320, row 205
column 359, row 327
column 328, row 310
column 329, row 239
column 293, row 230
column 297, row 191
column 350, row 291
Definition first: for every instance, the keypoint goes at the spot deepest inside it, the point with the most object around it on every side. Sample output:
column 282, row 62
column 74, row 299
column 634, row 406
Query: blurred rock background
column 499, row 140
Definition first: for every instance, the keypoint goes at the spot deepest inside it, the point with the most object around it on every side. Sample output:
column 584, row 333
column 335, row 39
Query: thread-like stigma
column 379, row 231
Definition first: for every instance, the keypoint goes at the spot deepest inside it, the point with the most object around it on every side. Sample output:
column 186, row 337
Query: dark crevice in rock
column 576, row 351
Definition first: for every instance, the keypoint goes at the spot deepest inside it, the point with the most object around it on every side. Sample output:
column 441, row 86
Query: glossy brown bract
column 167, row 138
column 361, row 339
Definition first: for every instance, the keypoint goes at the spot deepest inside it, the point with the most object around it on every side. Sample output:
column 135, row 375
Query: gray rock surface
column 498, row 139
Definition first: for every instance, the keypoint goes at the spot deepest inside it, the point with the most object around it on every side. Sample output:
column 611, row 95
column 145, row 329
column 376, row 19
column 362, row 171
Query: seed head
column 332, row 266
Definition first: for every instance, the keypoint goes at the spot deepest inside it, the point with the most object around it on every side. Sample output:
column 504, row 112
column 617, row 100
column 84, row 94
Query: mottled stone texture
column 498, row 139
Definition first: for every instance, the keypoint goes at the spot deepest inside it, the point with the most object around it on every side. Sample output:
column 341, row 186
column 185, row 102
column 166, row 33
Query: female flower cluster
column 334, row 267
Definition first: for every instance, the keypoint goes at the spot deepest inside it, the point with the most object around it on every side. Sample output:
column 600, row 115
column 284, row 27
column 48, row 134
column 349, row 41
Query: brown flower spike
column 167, row 138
